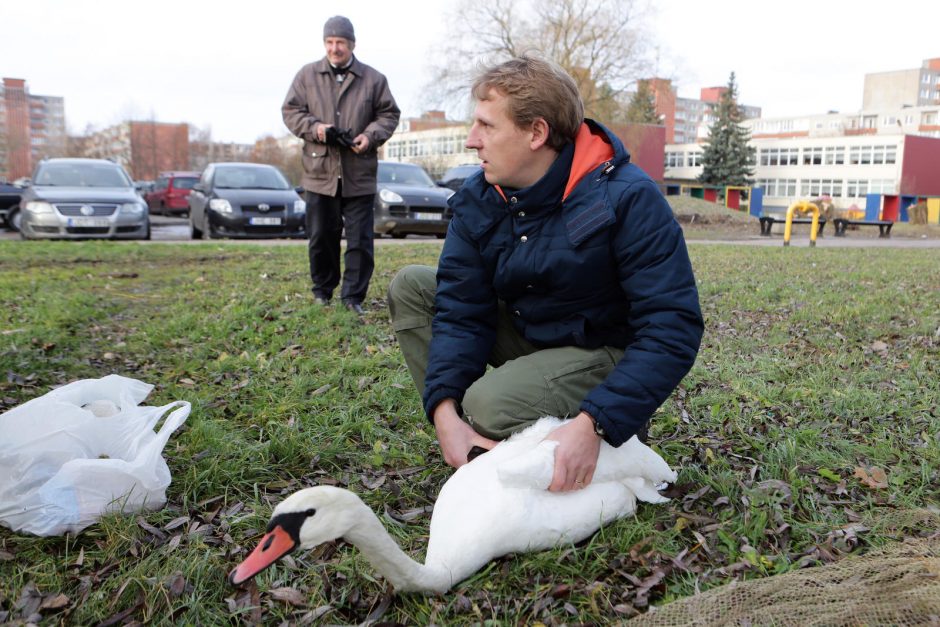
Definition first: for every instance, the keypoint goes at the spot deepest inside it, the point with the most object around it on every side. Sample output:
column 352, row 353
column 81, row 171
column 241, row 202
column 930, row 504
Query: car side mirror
column 299, row 190
column 199, row 187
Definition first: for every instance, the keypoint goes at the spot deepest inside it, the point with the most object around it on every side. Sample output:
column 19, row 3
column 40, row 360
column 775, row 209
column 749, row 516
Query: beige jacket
column 362, row 103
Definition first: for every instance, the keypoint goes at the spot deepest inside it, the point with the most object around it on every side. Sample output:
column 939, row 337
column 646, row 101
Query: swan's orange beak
column 275, row 544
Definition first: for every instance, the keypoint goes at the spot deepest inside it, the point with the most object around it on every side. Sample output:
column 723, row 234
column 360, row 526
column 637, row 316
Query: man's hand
column 360, row 143
column 321, row 132
column 456, row 436
column 576, row 454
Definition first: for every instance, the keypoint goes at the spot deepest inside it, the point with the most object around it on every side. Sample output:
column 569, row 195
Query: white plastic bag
column 81, row 450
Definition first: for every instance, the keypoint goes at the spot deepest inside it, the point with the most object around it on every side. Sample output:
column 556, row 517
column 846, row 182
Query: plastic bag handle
column 172, row 422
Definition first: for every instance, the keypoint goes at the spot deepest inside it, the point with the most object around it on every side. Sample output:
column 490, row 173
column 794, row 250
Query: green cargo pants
column 524, row 384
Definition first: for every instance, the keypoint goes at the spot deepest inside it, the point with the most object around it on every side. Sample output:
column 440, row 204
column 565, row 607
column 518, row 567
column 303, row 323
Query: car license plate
column 264, row 221
column 427, row 216
column 96, row 222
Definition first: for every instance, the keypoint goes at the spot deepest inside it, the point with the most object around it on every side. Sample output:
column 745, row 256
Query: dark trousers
column 326, row 218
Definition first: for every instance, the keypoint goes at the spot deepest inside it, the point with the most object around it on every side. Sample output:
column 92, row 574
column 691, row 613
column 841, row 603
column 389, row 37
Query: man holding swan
column 563, row 269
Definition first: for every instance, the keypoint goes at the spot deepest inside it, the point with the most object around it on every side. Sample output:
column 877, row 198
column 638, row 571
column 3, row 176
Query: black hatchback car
column 408, row 201
column 249, row 200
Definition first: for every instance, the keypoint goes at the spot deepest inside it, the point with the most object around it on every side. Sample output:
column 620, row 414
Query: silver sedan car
column 82, row 199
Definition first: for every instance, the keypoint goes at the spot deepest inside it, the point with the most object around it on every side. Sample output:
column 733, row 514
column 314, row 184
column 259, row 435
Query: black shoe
column 321, row 301
column 356, row 308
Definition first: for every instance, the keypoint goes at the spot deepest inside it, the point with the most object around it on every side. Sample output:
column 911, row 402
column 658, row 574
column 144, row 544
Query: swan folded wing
column 534, row 468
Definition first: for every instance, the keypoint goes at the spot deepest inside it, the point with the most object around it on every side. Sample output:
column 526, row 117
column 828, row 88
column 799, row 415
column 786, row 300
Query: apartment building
column 144, row 148
column 903, row 88
column 687, row 120
column 31, row 127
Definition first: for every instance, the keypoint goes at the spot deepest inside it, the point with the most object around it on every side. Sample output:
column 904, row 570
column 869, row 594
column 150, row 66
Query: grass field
column 806, row 432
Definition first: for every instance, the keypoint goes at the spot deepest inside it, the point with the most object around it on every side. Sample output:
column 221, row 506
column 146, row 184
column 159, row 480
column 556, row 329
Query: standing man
column 563, row 268
column 343, row 110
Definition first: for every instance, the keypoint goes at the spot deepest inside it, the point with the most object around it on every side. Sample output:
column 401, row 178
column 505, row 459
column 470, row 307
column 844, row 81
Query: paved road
column 173, row 229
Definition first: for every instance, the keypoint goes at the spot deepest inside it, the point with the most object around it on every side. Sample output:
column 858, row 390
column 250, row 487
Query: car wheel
column 147, row 234
column 193, row 231
column 14, row 219
column 207, row 227
column 162, row 211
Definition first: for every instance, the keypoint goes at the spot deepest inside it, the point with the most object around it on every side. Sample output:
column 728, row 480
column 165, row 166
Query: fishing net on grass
column 898, row 584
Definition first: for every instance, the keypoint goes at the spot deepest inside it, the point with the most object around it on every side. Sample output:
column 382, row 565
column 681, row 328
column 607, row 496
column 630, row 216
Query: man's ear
column 540, row 131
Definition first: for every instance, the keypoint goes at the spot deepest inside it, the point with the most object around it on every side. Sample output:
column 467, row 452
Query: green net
column 898, row 584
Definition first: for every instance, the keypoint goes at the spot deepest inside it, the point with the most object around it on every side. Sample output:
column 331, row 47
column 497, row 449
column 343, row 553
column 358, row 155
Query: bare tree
column 601, row 43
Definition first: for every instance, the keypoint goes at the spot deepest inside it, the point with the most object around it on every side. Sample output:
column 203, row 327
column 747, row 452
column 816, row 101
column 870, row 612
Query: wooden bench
column 767, row 222
column 884, row 226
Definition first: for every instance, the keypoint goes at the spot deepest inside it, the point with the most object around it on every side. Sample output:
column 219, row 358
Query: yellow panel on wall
column 933, row 211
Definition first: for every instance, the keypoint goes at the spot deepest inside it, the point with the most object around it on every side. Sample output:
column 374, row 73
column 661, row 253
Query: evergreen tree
column 642, row 107
column 728, row 157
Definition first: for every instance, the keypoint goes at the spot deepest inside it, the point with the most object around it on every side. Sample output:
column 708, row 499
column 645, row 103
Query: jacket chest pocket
column 583, row 225
column 315, row 160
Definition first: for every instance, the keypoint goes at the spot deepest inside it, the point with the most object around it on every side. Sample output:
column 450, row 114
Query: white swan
column 495, row 505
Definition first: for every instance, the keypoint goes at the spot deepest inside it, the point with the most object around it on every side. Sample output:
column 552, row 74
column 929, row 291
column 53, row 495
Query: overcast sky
column 227, row 65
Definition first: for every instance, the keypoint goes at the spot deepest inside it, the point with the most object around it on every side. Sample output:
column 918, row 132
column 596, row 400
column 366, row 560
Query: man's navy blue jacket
column 589, row 256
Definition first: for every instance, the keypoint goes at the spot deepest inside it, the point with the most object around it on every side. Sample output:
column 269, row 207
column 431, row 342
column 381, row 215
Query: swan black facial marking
column 291, row 523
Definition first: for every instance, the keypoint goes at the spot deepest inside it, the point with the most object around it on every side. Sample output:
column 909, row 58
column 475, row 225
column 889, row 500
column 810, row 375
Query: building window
column 813, row 156
column 869, row 121
column 881, row 186
column 695, row 159
column 928, row 117
column 835, row 155
column 856, row 188
column 674, row 160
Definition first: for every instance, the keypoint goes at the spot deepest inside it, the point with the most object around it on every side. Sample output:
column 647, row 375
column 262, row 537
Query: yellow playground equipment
column 803, row 206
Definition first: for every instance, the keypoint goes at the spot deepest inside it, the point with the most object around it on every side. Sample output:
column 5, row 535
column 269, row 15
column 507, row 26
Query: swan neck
column 370, row 536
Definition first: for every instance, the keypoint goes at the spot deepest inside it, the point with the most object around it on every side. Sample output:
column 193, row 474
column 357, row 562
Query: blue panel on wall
column 872, row 206
column 906, row 201
column 757, row 201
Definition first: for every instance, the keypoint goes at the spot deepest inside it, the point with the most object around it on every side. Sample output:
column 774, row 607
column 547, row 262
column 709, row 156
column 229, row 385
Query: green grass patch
column 816, row 364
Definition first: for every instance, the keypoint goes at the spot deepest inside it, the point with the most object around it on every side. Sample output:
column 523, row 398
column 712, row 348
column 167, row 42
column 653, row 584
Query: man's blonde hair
column 535, row 88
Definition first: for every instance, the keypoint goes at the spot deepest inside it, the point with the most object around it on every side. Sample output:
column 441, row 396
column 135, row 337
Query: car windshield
column 461, row 172
column 82, row 175
column 238, row 177
column 404, row 174
column 184, row 182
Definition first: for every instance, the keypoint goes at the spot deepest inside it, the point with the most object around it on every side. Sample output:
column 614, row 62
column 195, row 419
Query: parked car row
column 95, row 198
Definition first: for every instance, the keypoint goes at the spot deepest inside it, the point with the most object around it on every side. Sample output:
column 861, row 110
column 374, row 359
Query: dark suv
column 408, row 201
column 171, row 191
column 455, row 176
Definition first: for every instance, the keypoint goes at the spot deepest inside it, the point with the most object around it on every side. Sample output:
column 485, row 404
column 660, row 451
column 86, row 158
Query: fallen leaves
column 873, row 477
column 291, row 596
